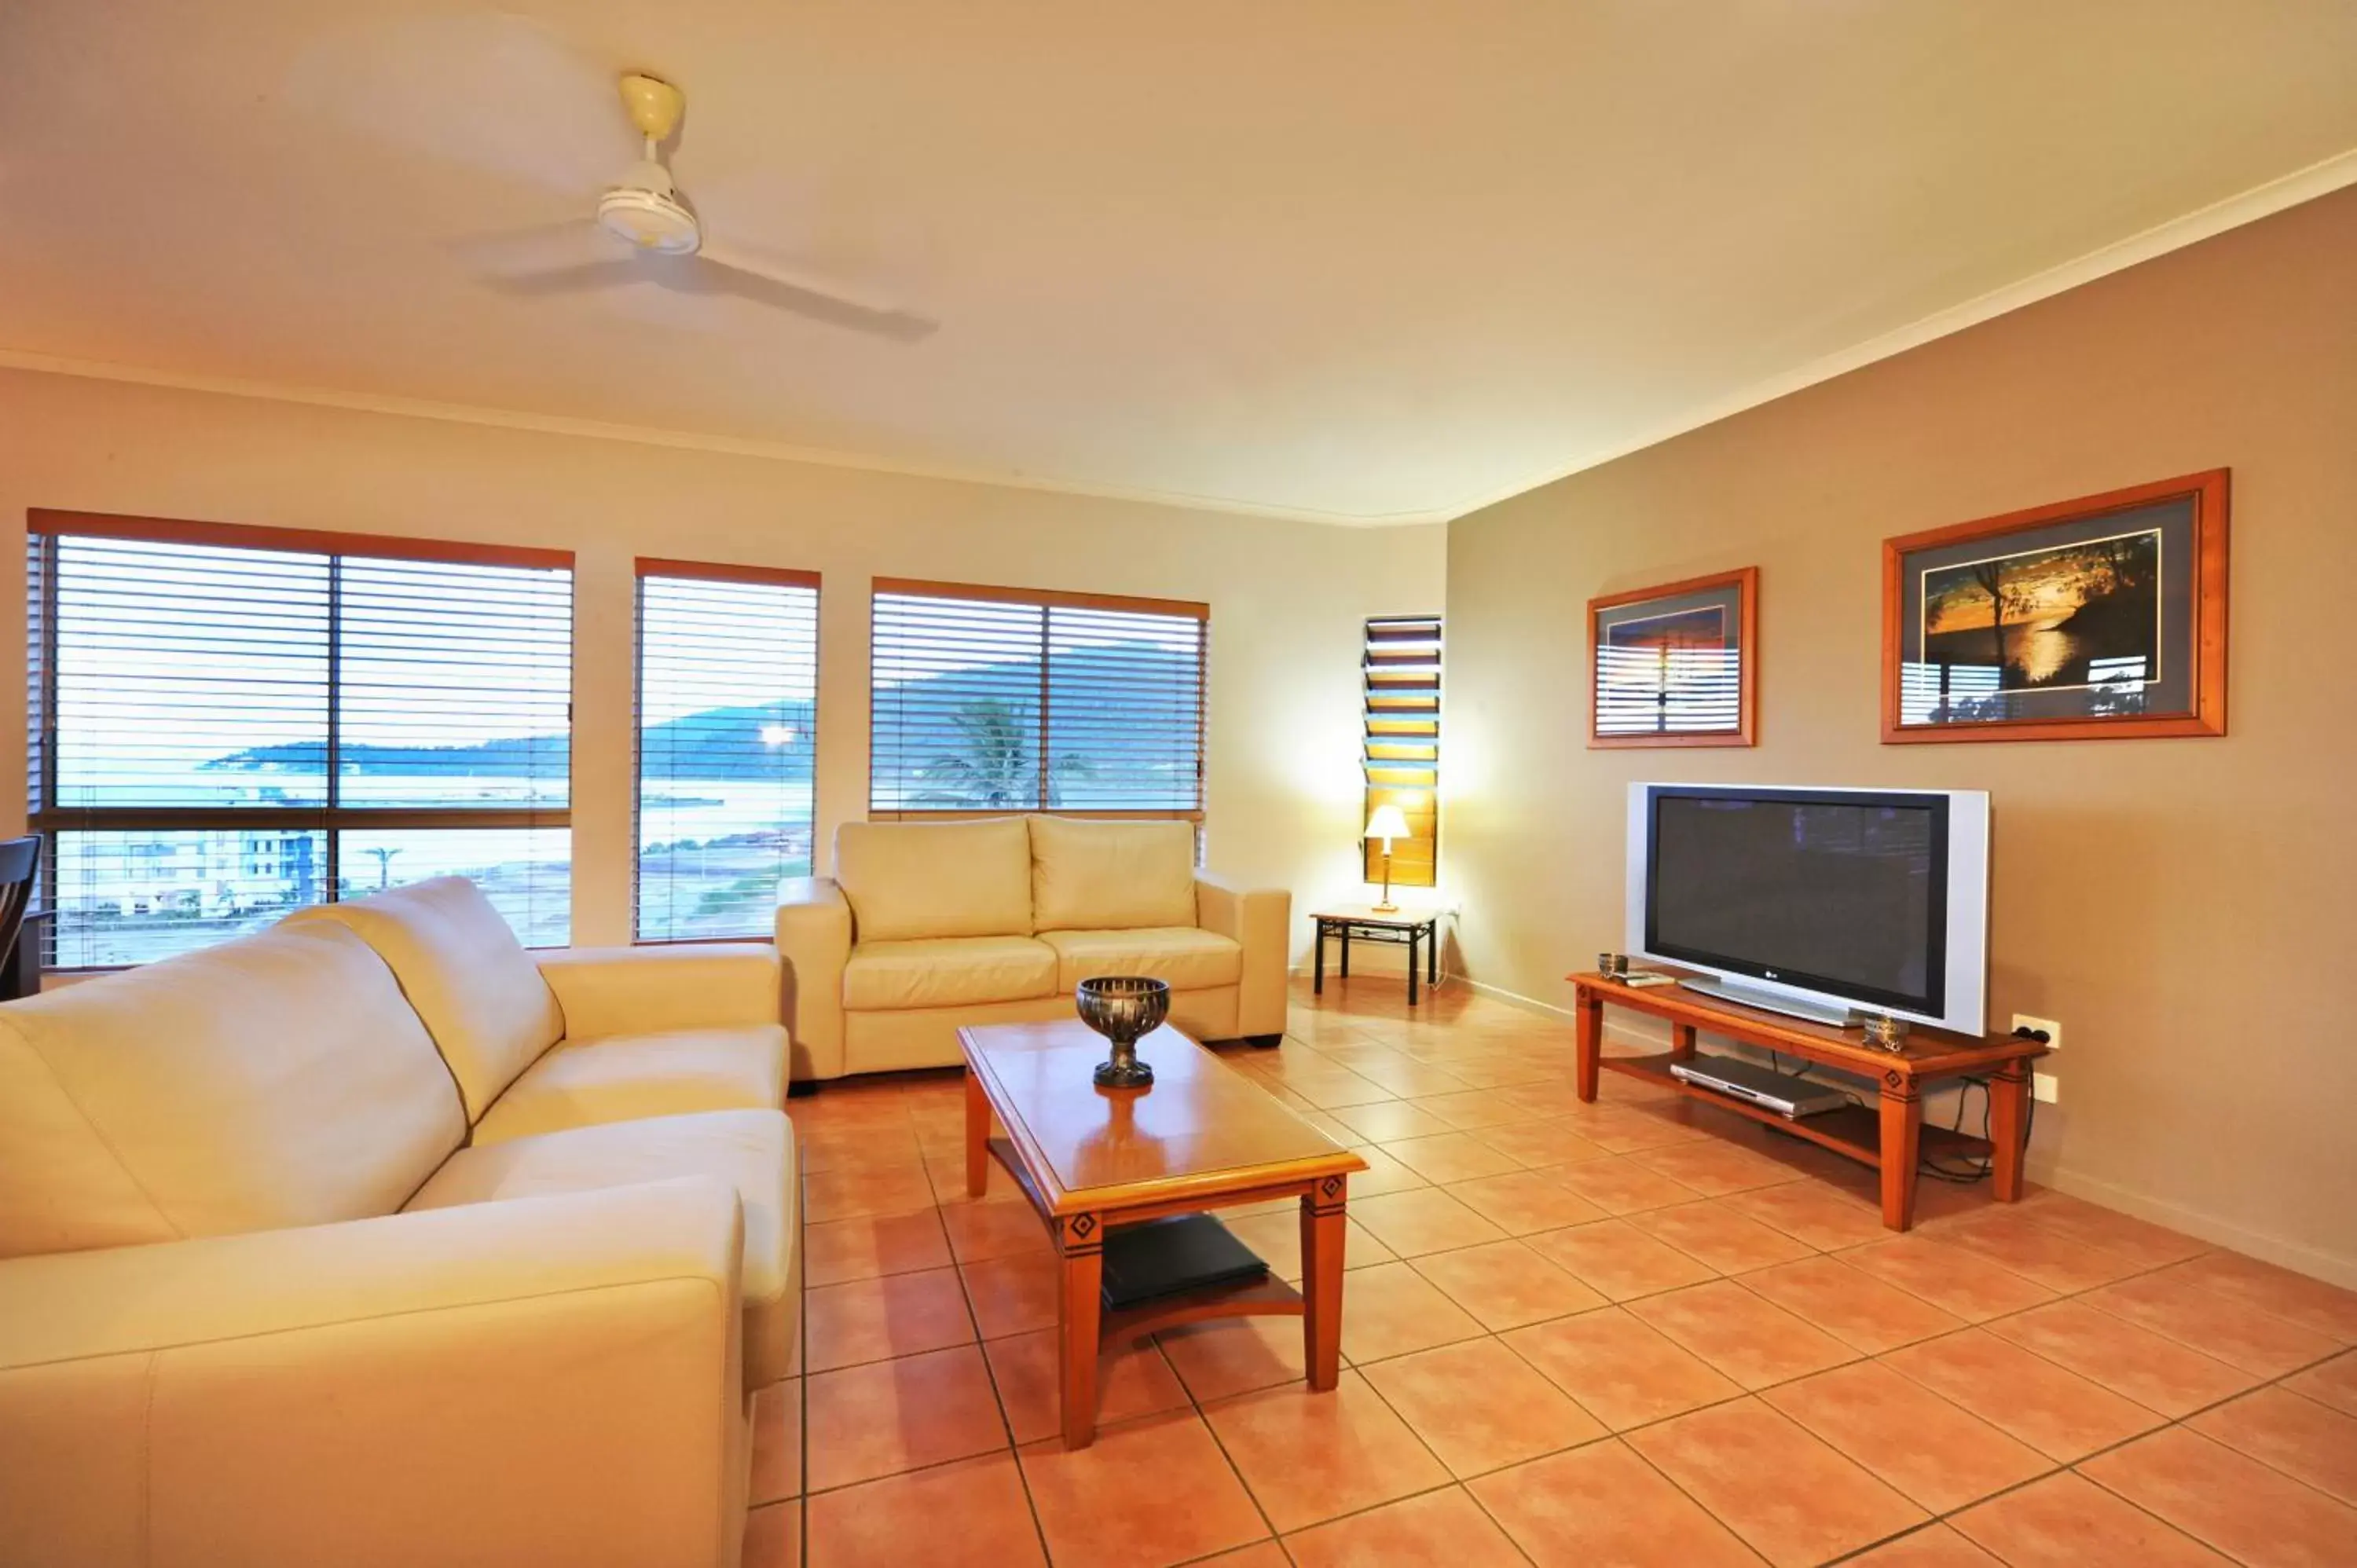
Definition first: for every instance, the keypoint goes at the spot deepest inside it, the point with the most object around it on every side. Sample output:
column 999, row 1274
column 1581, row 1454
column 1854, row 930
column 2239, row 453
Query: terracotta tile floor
column 1632, row 1332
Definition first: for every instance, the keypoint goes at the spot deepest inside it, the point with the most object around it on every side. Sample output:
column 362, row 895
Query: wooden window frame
column 647, row 566
column 309, row 540
column 329, row 819
column 1419, row 802
column 719, row 571
column 1046, row 598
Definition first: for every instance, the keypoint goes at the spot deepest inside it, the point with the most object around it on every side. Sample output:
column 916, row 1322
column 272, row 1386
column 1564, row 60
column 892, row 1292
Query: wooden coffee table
column 1204, row 1136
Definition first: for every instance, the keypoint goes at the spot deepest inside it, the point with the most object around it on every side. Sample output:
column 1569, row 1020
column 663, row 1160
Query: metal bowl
column 1122, row 1007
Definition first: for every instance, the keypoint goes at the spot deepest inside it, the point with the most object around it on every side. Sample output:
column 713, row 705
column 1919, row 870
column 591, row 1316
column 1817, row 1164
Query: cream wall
column 1287, row 598
column 2187, row 909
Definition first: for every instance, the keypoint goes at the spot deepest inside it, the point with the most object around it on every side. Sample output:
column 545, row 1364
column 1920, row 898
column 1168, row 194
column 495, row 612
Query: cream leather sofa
column 928, row 925
column 373, row 1239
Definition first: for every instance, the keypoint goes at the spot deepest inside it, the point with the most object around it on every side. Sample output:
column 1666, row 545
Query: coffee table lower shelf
column 1270, row 1297
column 1854, row 1131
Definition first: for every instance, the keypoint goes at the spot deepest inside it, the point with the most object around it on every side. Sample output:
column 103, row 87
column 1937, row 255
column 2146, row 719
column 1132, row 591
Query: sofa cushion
column 275, row 1081
column 1188, row 956
column 619, row 1077
column 907, row 881
column 459, row 964
column 753, row 1151
column 947, row 971
column 1088, row 875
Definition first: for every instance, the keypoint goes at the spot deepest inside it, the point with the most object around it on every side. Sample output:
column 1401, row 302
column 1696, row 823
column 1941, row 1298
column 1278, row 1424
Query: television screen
column 1845, row 893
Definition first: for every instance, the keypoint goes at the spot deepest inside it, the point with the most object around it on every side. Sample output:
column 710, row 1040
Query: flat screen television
column 1817, row 902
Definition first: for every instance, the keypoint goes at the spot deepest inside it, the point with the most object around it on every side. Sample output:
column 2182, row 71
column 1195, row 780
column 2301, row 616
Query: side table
column 1414, row 928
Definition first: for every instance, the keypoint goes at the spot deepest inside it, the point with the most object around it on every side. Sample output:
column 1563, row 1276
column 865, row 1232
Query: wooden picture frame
column 2150, row 559
column 1637, row 686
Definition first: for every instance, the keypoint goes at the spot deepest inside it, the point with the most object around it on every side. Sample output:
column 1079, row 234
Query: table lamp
column 1388, row 823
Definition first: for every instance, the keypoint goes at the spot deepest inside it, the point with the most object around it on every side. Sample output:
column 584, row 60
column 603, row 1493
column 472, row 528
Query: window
column 1007, row 700
column 728, row 707
column 1400, row 676
column 229, row 723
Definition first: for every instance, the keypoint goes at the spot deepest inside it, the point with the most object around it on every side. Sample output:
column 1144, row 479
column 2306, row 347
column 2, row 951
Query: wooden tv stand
column 1891, row 1137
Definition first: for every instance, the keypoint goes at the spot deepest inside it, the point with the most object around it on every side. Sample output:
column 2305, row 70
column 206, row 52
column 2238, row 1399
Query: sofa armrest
column 1261, row 920
column 546, row 1380
column 815, row 940
column 641, row 991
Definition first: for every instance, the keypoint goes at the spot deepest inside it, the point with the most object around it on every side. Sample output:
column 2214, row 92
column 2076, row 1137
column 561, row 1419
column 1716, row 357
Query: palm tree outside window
column 991, row 700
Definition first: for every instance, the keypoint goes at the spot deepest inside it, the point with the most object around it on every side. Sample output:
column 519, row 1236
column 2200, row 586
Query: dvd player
column 1789, row 1095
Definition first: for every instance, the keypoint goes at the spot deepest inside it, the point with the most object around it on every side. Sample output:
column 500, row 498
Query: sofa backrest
column 910, row 880
column 1098, row 875
column 275, row 1081
column 461, row 965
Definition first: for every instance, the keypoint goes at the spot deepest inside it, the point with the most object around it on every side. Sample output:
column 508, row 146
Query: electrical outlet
column 2046, row 1087
column 2053, row 1030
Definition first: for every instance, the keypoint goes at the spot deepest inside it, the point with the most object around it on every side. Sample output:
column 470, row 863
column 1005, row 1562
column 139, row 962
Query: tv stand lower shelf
column 1890, row 1137
column 1853, row 1130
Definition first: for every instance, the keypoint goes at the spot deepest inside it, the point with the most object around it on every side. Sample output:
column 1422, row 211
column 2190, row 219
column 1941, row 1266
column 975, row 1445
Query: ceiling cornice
column 651, row 435
column 2305, row 185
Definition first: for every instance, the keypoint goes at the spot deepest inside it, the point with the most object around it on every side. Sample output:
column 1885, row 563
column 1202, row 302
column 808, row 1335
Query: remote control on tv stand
column 1643, row 978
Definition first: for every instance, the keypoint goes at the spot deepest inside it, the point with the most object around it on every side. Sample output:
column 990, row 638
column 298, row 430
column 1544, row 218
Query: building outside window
column 229, row 723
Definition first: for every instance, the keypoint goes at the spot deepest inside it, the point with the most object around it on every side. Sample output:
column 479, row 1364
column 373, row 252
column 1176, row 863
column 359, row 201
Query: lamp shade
column 1388, row 823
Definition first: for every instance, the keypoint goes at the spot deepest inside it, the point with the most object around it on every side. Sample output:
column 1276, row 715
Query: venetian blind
column 727, row 709
column 230, row 723
column 1400, row 674
column 991, row 700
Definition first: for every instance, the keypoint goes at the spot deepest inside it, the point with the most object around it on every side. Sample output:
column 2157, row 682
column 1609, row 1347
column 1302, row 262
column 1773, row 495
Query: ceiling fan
column 668, row 244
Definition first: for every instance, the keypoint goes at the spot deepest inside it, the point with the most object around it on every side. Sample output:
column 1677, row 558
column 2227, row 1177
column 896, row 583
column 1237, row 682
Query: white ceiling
column 1364, row 260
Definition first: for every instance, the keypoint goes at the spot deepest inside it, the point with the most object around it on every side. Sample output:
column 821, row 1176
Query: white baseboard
column 2297, row 1256
column 1517, row 999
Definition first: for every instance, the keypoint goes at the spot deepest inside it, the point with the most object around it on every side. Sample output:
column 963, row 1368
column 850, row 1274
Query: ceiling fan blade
column 582, row 277
column 726, row 269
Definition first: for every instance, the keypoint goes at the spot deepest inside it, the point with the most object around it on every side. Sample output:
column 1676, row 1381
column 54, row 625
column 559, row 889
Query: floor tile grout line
column 2226, row 1300
column 1013, row 1450
column 926, row 1469
column 2071, row 1466
column 1856, row 1355
column 2301, row 1394
column 1275, row 1535
column 1495, row 1522
column 1005, row 1421
column 1674, row 1484
column 1453, row 1485
column 2186, row 1529
column 2265, row 1380
column 1204, row 1416
column 1937, row 1521
column 802, row 1390
column 2187, row 1419
column 2056, row 1467
column 1409, row 1428
column 2070, row 1470
column 802, row 1443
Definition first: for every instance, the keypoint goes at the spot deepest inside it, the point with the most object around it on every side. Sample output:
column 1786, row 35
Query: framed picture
column 2088, row 620
column 1676, row 665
